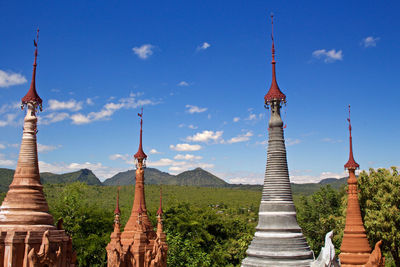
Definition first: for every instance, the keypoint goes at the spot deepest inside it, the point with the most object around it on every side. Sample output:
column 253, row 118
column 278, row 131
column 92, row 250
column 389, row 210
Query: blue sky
column 201, row 69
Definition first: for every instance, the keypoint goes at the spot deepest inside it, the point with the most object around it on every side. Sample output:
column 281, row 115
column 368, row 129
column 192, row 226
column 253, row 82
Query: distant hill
column 199, row 177
column 153, row 176
column 84, row 175
column 196, row 177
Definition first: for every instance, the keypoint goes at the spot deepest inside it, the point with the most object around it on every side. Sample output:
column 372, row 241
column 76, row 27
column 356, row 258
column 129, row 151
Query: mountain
column 153, row 176
column 84, row 175
column 199, row 177
column 196, row 177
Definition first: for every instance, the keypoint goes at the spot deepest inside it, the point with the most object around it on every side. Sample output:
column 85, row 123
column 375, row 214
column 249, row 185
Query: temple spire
column 355, row 249
column 32, row 96
column 140, row 154
column 351, row 163
column 278, row 240
column 274, row 92
column 24, row 211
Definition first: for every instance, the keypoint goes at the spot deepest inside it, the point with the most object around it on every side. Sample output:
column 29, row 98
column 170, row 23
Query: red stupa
column 355, row 249
column 139, row 245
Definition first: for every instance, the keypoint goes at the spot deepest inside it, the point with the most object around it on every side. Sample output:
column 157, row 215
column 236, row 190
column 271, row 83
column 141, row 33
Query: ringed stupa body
column 28, row 236
column 278, row 240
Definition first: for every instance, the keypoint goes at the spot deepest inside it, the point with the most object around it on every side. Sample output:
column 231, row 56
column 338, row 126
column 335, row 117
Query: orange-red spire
column 351, row 163
column 117, row 210
column 32, row 95
column 140, row 154
column 160, row 211
column 274, row 92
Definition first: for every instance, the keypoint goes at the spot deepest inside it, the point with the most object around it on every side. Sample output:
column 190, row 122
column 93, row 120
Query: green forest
column 213, row 226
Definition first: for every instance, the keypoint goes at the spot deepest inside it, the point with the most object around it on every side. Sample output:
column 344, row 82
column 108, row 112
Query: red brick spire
column 351, row 163
column 140, row 154
column 117, row 210
column 32, row 95
column 355, row 249
column 274, row 92
column 160, row 211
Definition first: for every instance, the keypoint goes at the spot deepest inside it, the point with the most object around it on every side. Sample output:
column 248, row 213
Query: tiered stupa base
column 34, row 247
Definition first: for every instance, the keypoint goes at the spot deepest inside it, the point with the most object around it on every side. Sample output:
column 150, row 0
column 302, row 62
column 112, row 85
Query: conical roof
column 32, row 95
column 351, row 163
column 140, row 153
column 274, row 92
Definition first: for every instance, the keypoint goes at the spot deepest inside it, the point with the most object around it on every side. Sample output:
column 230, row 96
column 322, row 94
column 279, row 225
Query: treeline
column 214, row 226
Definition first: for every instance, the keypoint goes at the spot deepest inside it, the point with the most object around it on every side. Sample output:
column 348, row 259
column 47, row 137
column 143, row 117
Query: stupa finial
column 274, row 92
column 32, row 96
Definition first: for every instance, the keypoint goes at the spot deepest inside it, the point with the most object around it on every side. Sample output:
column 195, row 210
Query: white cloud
column 332, row 141
column 110, row 108
column 292, row 142
column 6, row 162
column 203, row 46
column 89, row 101
column 195, row 109
column 328, row 56
column 154, row 151
column 10, row 78
column 242, row 177
column 185, row 147
column 2, row 146
column 205, row 136
column 46, row 148
column 164, row 162
column 236, row 119
column 143, row 51
column 369, row 41
column 10, row 119
column 191, row 126
column 101, row 171
column 14, row 106
column 183, row 83
column 52, row 118
column 240, row 138
column 72, row 105
column 301, row 177
column 128, row 159
column 187, row 157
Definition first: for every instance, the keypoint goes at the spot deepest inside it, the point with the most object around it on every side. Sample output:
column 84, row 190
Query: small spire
column 140, row 154
column 32, row 95
column 160, row 211
column 117, row 210
column 351, row 163
column 274, row 92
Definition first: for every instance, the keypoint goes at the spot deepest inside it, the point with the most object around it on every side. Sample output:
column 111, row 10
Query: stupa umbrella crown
column 32, row 95
column 274, row 92
column 140, row 155
column 351, row 163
